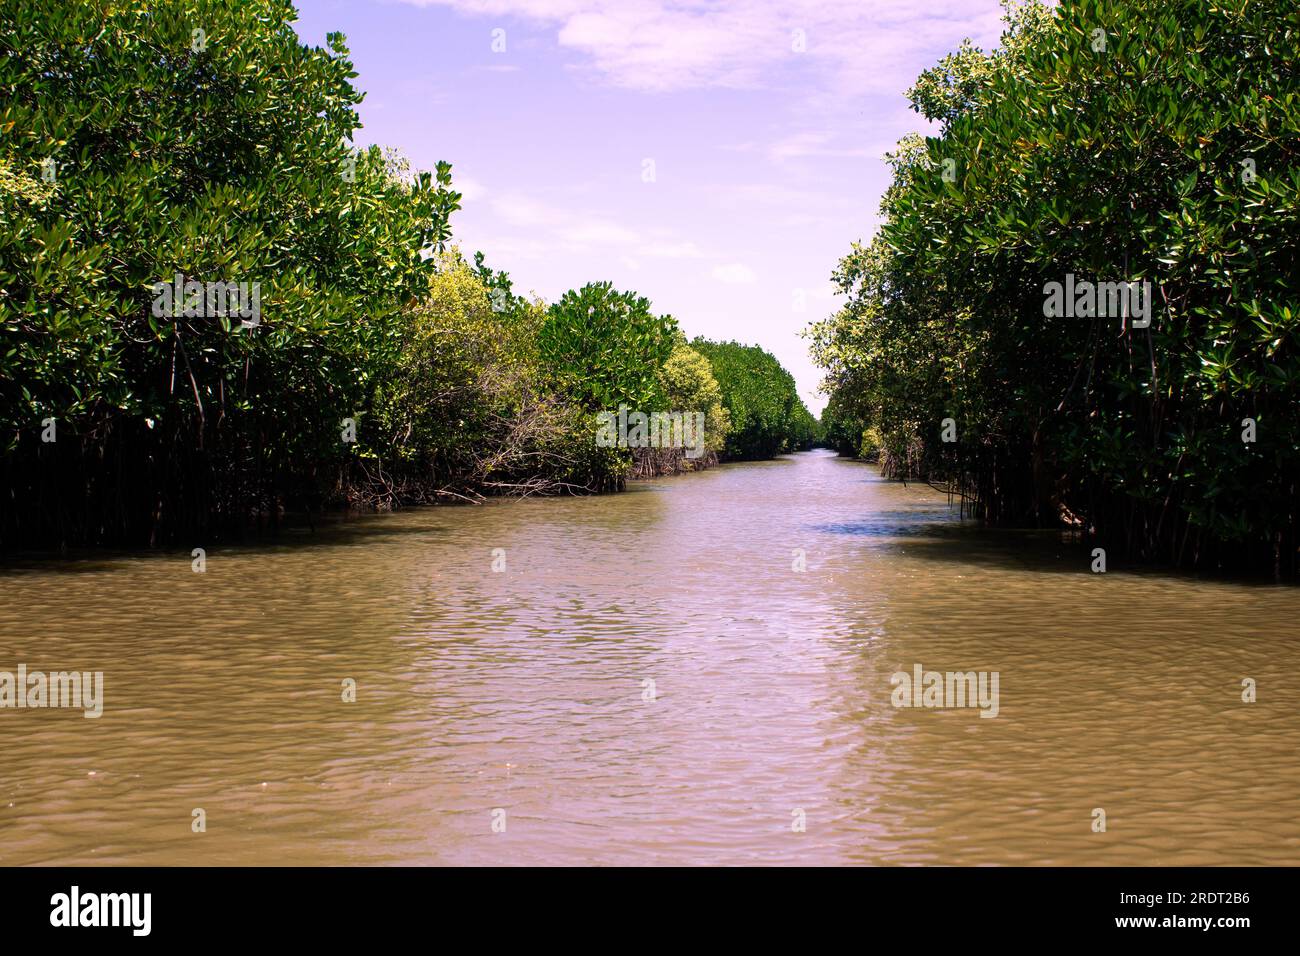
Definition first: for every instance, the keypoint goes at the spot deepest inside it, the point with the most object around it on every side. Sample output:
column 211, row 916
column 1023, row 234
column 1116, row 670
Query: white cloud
column 668, row 249
column 519, row 210
column 568, row 227
column 471, row 190
column 595, row 232
column 769, row 194
column 502, row 250
column 859, row 46
column 817, row 143
column 734, row 273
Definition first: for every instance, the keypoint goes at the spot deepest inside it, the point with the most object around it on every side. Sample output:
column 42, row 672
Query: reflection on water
column 526, row 690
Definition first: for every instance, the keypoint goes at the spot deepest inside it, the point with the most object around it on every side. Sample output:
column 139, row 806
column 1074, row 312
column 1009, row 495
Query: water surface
column 525, row 691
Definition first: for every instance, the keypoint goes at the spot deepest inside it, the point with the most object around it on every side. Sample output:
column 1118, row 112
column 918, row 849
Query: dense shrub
column 688, row 387
column 606, row 347
column 215, row 157
column 468, row 406
column 1117, row 140
column 767, row 415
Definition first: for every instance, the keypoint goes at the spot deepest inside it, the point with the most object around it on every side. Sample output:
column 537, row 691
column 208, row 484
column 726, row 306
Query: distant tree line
column 767, row 415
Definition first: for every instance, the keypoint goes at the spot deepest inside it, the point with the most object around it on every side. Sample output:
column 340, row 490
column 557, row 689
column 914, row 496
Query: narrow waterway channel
column 651, row 679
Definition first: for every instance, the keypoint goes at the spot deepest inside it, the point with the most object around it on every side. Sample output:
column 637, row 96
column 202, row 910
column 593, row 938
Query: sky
column 718, row 157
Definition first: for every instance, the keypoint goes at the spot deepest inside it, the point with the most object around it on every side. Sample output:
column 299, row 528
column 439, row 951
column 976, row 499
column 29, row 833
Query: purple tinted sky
column 766, row 159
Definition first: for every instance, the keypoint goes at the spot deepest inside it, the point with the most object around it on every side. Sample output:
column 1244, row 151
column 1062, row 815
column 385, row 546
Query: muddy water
column 770, row 736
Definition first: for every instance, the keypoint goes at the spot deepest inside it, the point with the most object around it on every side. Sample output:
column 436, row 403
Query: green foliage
column 606, row 347
column 767, row 415
column 224, row 163
column 468, row 405
column 451, row 379
column 687, row 385
column 869, row 445
column 201, row 139
column 963, row 81
column 842, row 427
column 1122, row 163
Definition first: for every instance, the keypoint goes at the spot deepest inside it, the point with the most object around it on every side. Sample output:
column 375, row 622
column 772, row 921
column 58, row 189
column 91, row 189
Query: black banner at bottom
column 1174, row 906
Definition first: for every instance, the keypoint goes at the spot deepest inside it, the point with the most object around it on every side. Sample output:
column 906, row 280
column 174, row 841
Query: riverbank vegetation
column 766, row 414
column 201, row 142
column 1146, row 141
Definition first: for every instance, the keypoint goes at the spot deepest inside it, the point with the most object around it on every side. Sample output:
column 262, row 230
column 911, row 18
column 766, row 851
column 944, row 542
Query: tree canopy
column 199, row 146
column 1113, row 141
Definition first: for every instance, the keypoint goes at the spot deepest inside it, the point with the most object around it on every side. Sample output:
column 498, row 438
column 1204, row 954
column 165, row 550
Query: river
column 650, row 680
